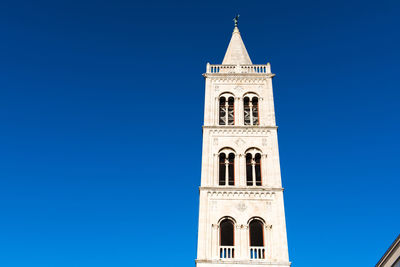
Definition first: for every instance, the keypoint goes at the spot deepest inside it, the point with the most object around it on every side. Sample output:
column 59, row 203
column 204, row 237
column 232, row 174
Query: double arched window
column 251, row 111
column 253, row 167
column 227, row 167
column 226, row 110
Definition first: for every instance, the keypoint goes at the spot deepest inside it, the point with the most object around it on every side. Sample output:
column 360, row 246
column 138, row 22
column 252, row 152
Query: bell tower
column 241, row 213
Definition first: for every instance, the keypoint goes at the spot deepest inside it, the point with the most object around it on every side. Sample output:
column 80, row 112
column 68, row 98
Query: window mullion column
column 226, row 113
column 253, row 170
column 226, row 171
column 238, row 111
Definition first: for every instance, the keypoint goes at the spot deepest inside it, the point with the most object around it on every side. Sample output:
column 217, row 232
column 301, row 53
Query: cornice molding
column 241, row 188
column 239, row 75
column 246, row 127
column 238, row 130
column 247, row 262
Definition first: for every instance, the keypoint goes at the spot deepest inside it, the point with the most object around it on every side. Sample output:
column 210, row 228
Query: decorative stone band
column 241, row 194
column 243, row 79
column 264, row 263
column 258, row 189
column 238, row 131
column 246, row 127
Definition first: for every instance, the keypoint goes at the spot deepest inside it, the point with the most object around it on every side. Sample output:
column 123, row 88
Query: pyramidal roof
column 236, row 54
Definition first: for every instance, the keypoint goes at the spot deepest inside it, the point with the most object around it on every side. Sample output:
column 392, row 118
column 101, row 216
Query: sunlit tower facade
column 241, row 213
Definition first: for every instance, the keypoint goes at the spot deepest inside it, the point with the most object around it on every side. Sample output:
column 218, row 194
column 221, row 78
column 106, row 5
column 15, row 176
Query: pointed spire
column 236, row 53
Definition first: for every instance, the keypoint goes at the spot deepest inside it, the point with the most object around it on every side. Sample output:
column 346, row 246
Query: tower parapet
column 245, row 68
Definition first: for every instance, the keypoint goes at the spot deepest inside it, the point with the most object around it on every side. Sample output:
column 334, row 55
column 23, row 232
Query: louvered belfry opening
column 246, row 102
column 255, row 111
column 222, row 111
column 251, row 111
column 231, row 111
column 226, row 111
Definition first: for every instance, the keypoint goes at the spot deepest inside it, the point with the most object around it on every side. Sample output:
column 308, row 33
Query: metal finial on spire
column 236, row 19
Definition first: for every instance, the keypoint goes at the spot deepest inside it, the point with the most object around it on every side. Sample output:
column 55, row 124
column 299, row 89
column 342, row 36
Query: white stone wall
column 241, row 202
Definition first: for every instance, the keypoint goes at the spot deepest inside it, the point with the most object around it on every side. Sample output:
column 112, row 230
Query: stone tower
column 241, row 215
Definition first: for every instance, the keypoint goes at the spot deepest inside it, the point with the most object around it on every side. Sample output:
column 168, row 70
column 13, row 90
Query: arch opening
column 226, row 110
column 226, row 169
column 251, row 110
column 227, row 233
column 256, row 233
column 253, row 168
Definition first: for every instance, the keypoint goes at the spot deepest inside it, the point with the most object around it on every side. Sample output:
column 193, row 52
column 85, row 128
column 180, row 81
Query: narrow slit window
column 222, row 111
column 258, row 168
column 231, row 111
column 231, row 169
column 222, row 169
column 247, row 111
column 249, row 175
column 255, row 111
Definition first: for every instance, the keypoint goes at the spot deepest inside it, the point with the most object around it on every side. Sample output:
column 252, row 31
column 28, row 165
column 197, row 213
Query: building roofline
column 395, row 244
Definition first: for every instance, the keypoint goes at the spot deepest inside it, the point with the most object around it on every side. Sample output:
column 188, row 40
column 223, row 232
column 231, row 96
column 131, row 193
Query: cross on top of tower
column 236, row 54
column 236, row 20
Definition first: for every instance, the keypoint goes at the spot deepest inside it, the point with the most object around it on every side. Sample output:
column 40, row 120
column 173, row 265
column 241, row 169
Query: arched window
column 253, row 168
column 227, row 232
column 256, row 233
column 226, row 110
column 227, row 239
column 255, row 111
column 257, row 250
column 226, row 168
column 222, row 111
column 247, row 120
column 251, row 111
column 257, row 160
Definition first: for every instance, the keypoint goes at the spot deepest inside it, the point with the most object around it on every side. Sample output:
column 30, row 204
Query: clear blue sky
column 101, row 107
